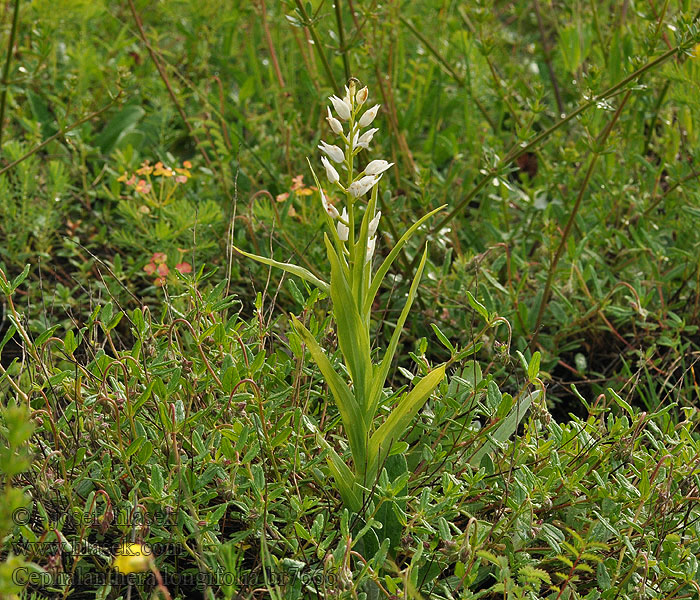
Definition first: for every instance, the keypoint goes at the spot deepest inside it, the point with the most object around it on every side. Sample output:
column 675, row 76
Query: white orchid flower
column 333, row 152
column 336, row 126
column 365, row 138
column 377, row 167
column 373, row 224
column 371, row 244
column 342, row 107
column 331, row 173
column 369, row 115
column 362, row 186
column 343, row 230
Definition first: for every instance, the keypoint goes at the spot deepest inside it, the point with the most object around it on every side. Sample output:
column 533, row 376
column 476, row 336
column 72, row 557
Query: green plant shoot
column 350, row 243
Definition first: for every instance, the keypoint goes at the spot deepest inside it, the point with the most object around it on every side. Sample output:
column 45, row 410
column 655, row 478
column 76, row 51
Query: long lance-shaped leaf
column 293, row 269
column 384, row 268
column 344, row 400
column 394, row 427
column 343, row 476
column 353, row 337
column 507, row 428
column 382, row 369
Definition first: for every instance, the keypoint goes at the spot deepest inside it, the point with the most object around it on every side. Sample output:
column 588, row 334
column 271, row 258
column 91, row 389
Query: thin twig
column 166, row 81
column 341, row 38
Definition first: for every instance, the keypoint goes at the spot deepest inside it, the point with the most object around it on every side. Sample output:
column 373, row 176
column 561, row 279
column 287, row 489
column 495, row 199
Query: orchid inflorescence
column 350, row 243
column 348, row 109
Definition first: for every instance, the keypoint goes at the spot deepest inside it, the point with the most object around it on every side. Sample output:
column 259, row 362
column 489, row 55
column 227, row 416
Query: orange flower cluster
column 158, row 267
column 142, row 183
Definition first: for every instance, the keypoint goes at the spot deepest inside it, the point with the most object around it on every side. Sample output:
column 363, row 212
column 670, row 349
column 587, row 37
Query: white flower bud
column 373, row 224
column 362, row 186
column 328, row 207
column 336, row 127
column 366, row 138
column 369, row 115
column 371, row 243
column 361, row 95
column 343, row 230
column 376, row 167
column 333, row 152
column 342, row 107
column 331, row 173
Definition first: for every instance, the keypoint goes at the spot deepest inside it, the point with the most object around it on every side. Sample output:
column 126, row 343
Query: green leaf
column 121, row 124
column 443, row 338
column 507, row 428
column 293, row 269
column 11, row 330
column 17, row 281
column 135, row 445
column 344, row 400
column 477, row 306
column 386, row 265
column 343, row 476
column 156, row 481
column 382, row 370
column 621, row 402
column 69, row 343
column 400, row 418
column 533, row 369
column 353, row 337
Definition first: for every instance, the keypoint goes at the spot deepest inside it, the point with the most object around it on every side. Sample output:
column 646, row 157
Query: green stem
column 6, row 69
column 341, row 38
column 317, row 42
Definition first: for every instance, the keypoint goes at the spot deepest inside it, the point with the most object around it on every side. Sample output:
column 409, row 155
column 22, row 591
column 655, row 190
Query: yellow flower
column 133, row 558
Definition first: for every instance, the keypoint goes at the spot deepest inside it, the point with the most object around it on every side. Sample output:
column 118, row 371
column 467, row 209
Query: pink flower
column 150, row 268
column 159, row 257
column 163, row 269
column 184, row 267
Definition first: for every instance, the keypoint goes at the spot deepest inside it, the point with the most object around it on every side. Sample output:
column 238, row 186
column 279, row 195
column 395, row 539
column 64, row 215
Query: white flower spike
column 362, row 186
column 336, row 127
column 333, row 152
column 369, row 115
column 373, row 224
column 341, row 107
column 343, row 230
column 377, row 167
column 331, row 173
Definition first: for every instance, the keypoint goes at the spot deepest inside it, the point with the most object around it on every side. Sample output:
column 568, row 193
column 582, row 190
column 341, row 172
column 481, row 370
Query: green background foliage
column 562, row 278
